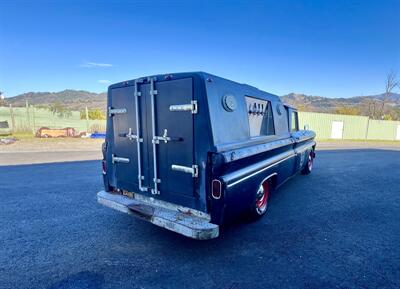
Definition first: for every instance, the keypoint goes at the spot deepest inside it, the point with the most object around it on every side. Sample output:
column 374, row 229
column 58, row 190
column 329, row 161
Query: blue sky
column 327, row 48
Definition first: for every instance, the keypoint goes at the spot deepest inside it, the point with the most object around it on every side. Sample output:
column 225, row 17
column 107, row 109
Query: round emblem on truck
column 229, row 102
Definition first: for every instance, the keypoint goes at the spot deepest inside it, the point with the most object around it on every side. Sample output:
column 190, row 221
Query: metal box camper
column 189, row 151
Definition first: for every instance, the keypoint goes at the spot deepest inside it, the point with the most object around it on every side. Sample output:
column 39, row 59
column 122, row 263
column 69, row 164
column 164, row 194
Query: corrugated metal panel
column 354, row 127
column 383, row 129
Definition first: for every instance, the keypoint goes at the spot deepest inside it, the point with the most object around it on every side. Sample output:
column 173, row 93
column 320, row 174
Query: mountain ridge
column 79, row 99
column 70, row 98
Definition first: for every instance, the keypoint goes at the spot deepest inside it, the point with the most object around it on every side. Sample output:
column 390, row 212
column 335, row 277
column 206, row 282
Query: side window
column 294, row 121
column 259, row 112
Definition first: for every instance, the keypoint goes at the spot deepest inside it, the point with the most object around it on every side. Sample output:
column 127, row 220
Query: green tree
column 60, row 110
column 94, row 114
column 348, row 110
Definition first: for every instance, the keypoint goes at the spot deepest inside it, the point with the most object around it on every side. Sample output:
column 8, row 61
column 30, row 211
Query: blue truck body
column 175, row 138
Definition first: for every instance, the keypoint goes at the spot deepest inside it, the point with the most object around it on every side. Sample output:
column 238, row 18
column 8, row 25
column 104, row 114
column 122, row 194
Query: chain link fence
column 327, row 126
column 30, row 119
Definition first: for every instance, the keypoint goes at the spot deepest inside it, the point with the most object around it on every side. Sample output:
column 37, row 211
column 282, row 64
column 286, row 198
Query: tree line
column 378, row 108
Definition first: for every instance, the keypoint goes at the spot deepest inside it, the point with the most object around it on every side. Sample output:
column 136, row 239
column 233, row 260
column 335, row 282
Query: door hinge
column 112, row 111
column 194, row 170
column 192, row 106
column 153, row 92
column 115, row 159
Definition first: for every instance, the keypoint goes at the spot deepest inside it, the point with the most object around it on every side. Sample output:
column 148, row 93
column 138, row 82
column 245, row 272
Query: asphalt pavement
column 338, row 227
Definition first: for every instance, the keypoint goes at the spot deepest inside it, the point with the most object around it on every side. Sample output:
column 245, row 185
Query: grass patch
column 23, row 135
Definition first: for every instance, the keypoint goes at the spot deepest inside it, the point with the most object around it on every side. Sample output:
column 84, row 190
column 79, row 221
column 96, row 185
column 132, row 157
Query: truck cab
column 191, row 151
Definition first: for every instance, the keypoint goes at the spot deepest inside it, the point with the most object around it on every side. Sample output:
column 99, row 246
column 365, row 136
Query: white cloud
column 104, row 81
column 95, row 64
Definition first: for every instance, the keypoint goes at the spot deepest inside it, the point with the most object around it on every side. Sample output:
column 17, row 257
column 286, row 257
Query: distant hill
column 72, row 99
column 324, row 104
column 79, row 99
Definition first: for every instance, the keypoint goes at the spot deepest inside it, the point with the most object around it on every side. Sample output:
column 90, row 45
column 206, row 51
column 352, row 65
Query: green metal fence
column 326, row 126
column 22, row 119
column 337, row 126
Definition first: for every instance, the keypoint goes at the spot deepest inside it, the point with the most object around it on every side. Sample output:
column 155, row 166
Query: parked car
column 4, row 128
column 190, row 151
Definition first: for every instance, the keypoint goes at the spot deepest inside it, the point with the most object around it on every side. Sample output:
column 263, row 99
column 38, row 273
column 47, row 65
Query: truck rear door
column 153, row 148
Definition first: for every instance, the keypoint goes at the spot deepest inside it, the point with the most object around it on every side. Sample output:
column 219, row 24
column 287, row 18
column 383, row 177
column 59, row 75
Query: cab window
column 294, row 121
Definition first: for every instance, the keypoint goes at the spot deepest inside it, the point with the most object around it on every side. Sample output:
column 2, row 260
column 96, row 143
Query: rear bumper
column 176, row 220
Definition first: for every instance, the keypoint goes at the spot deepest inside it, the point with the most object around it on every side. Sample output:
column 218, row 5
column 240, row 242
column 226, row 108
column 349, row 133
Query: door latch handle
column 193, row 170
column 165, row 138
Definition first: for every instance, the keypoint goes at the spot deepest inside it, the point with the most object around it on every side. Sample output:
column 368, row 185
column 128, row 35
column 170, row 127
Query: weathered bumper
column 183, row 223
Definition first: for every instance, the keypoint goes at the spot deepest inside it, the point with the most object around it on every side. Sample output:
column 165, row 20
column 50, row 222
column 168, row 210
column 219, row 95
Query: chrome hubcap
column 262, row 198
column 310, row 162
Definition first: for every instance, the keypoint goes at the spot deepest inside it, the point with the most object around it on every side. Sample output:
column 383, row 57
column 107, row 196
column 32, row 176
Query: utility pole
column 87, row 119
column 27, row 114
column 12, row 119
column 366, row 131
column 33, row 119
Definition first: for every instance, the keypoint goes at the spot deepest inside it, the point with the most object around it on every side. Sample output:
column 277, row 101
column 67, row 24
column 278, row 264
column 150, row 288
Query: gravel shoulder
column 349, row 144
column 35, row 151
column 54, row 145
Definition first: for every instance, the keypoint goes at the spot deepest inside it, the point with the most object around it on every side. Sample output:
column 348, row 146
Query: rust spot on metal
column 127, row 194
column 141, row 210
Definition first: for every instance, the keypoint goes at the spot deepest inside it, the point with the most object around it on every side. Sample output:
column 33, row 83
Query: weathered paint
column 178, row 220
column 261, row 146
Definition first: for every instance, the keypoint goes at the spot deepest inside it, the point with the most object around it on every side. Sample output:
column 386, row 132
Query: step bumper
column 174, row 220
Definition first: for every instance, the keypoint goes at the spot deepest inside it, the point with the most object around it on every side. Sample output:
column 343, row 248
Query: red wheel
column 262, row 198
column 260, row 205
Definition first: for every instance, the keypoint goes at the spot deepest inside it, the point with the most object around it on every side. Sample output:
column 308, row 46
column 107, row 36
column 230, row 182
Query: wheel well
column 313, row 151
column 272, row 180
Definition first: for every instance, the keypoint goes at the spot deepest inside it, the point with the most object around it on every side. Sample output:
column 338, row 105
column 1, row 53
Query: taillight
column 104, row 166
column 216, row 189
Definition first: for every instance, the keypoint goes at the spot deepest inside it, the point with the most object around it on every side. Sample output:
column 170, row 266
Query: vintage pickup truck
column 190, row 151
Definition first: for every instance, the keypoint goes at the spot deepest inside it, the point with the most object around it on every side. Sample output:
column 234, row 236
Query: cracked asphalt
column 336, row 228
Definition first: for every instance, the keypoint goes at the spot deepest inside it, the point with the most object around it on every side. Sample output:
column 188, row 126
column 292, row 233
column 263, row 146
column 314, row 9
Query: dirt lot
column 353, row 144
column 52, row 144
column 36, row 150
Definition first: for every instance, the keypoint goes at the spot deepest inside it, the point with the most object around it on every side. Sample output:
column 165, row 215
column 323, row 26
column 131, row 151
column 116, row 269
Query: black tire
column 309, row 165
column 107, row 186
column 260, row 206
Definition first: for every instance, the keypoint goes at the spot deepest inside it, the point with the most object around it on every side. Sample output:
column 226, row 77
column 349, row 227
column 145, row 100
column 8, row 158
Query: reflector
column 216, row 191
